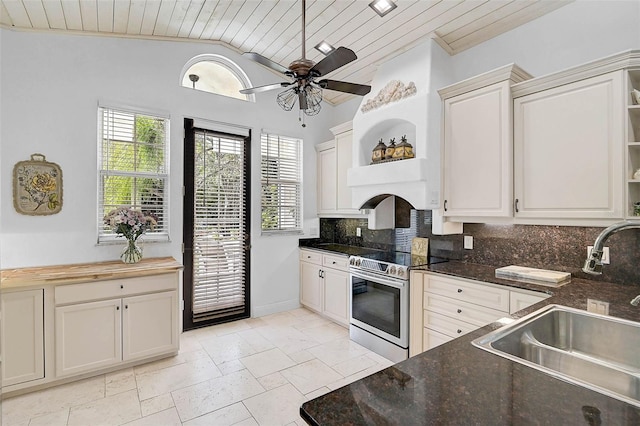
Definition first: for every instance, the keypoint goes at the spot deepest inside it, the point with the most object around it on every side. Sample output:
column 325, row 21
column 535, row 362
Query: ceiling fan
column 305, row 86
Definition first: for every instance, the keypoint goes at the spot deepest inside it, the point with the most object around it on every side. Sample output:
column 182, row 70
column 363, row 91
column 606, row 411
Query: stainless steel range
column 380, row 302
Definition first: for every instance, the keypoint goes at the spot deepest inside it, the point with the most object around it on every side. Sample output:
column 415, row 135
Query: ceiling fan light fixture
column 287, row 99
column 324, row 47
column 382, row 7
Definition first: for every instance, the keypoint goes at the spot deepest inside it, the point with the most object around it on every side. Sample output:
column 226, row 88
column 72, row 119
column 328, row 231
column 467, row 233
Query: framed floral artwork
column 37, row 187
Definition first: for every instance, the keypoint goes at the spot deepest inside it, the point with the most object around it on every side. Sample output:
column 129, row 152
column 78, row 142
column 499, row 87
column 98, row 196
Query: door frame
column 187, row 228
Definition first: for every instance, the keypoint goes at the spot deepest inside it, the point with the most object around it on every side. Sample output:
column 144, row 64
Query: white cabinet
column 88, row 336
column 311, row 285
column 22, row 336
column 324, row 284
column 334, row 159
column 568, row 153
column 477, row 142
column 477, row 153
column 138, row 319
column 443, row 307
column 327, row 178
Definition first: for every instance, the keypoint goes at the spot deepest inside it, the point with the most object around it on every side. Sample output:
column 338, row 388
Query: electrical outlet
column 605, row 254
column 597, row 306
column 468, row 242
column 358, row 232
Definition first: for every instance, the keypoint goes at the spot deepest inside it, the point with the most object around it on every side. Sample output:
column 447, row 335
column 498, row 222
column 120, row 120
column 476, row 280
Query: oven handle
column 391, row 282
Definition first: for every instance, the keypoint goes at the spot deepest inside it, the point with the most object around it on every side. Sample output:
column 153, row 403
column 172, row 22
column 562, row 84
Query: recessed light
column 382, row 7
column 324, row 47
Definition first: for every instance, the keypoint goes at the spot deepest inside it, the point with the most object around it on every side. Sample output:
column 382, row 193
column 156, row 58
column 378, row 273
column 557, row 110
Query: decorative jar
column 378, row 152
column 388, row 154
column 636, row 208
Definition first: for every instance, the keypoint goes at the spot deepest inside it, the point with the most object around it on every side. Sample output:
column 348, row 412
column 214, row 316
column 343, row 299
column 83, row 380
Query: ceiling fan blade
column 259, row 89
column 302, row 99
column 334, row 60
column 343, row 86
column 266, row 62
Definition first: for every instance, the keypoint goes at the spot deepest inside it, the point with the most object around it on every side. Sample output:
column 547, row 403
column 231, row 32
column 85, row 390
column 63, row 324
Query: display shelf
column 633, row 142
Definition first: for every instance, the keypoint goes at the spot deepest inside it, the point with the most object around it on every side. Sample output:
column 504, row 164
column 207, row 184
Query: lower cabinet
column 22, row 336
column 443, row 308
column 94, row 335
column 324, row 284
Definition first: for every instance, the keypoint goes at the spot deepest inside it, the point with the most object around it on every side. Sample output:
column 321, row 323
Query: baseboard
column 274, row 308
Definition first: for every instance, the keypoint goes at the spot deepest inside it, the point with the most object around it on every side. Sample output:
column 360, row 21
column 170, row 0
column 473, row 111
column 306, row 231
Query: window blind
column 133, row 168
column 281, row 181
column 219, row 227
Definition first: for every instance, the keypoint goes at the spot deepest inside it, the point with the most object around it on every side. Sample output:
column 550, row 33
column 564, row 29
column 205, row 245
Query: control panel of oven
column 379, row 267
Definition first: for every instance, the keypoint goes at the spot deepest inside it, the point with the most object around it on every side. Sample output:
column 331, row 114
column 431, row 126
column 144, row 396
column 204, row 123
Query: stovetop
column 402, row 258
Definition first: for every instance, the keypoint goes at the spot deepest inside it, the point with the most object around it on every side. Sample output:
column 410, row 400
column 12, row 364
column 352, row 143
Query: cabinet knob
column 459, row 311
column 117, row 308
column 126, row 306
column 459, row 331
column 121, row 286
column 459, row 290
column 308, row 257
column 334, row 262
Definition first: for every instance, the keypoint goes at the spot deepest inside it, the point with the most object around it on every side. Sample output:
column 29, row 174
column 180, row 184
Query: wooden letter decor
column 37, row 187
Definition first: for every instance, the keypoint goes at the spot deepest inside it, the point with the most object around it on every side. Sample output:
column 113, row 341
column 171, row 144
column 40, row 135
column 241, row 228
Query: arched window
column 216, row 74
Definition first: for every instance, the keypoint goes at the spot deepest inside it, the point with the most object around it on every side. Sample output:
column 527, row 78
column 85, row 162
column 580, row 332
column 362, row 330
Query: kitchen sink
column 599, row 352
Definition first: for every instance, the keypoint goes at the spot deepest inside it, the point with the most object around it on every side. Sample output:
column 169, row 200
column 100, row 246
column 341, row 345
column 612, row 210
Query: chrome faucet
column 593, row 264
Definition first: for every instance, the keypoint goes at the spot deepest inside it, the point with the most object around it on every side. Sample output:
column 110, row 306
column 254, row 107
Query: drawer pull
column 459, row 311
column 459, row 290
column 459, row 331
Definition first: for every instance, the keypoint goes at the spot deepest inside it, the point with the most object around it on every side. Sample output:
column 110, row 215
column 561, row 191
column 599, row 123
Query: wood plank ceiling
column 273, row 27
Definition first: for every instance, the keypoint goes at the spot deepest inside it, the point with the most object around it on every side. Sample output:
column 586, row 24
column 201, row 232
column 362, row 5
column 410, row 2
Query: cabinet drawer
column 476, row 293
column 338, row 262
column 464, row 311
column 311, row 256
column 76, row 293
column 446, row 325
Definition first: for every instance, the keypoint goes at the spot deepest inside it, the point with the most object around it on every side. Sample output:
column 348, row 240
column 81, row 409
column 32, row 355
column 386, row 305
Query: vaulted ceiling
column 272, row 28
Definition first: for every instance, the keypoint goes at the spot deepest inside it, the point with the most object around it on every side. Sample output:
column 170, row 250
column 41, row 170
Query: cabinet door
column 22, row 337
column 431, row 339
column 568, row 151
column 336, row 295
column 88, row 336
column 477, row 177
column 310, row 286
column 343, row 163
column 520, row 300
column 327, row 181
column 149, row 325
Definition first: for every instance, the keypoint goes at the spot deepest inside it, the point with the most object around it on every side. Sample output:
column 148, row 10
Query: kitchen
column 574, row 34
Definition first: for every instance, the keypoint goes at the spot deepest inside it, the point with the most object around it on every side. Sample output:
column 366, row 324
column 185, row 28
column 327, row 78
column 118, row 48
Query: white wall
column 51, row 85
column 579, row 32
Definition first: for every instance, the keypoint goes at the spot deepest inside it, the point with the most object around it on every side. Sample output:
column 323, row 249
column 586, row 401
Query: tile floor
column 250, row 372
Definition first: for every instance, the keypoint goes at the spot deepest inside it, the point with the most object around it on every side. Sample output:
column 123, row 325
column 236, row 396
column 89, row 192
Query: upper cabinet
column 561, row 149
column 477, row 145
column 568, row 152
column 334, row 159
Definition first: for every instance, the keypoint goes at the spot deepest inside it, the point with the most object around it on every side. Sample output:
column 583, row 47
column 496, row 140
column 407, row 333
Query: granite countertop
column 457, row 383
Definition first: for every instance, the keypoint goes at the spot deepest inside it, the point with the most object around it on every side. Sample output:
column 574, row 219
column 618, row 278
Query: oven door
column 380, row 305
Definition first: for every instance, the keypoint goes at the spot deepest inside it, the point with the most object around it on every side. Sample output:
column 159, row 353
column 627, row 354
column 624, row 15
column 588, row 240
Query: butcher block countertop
column 85, row 272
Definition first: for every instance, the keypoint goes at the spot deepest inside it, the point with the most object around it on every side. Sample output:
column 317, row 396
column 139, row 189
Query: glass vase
column 132, row 252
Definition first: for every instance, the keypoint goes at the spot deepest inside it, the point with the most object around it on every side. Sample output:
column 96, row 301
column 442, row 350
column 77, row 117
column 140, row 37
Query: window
column 281, row 177
column 216, row 74
column 133, row 169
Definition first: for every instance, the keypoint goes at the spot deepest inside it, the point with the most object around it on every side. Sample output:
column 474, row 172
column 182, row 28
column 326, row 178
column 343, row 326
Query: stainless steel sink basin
column 599, row 352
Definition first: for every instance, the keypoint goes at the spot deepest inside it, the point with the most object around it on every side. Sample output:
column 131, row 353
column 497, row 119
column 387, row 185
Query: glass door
column 216, row 227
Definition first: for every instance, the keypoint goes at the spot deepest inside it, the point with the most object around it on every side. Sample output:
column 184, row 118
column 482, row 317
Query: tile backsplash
column 562, row 248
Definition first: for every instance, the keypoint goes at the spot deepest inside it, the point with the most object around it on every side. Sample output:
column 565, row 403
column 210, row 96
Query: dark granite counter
column 459, row 384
